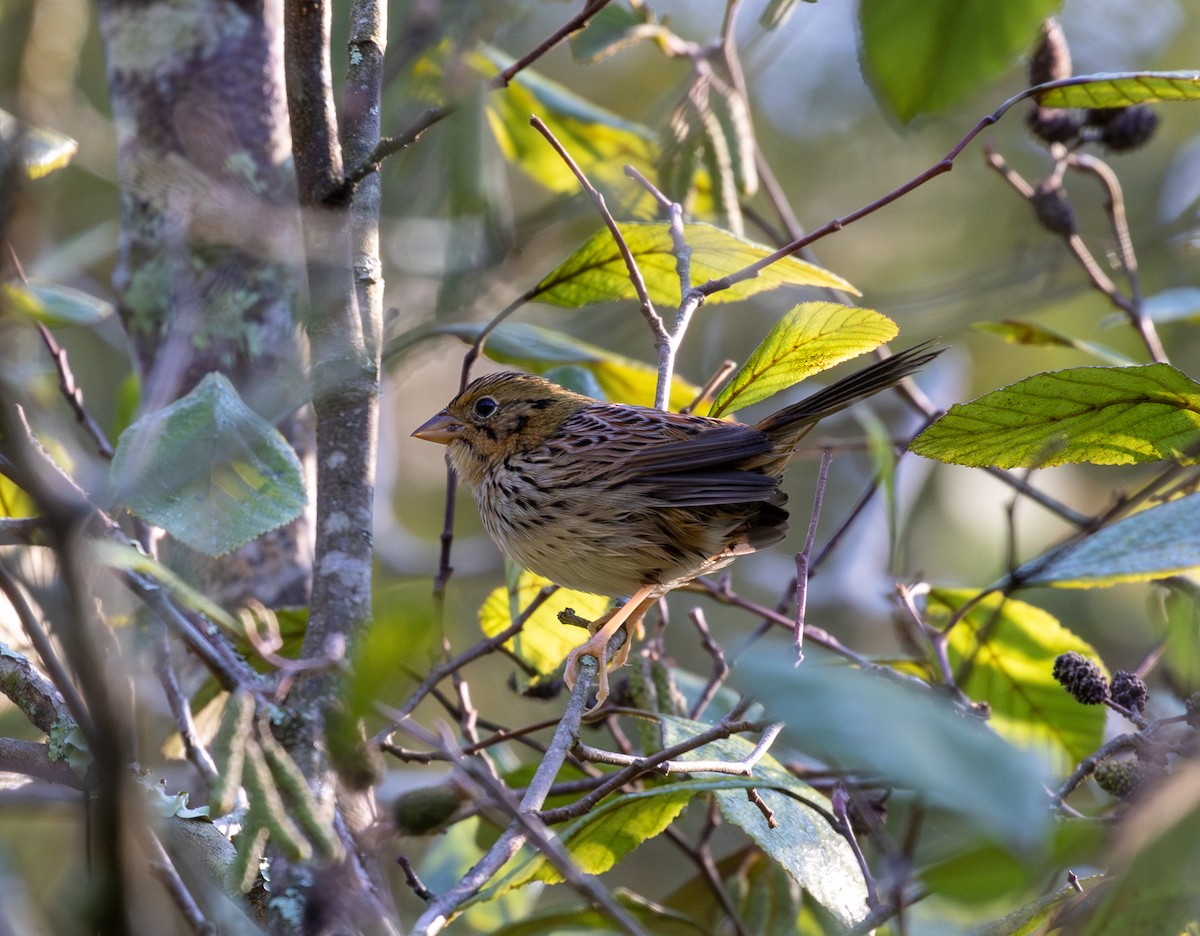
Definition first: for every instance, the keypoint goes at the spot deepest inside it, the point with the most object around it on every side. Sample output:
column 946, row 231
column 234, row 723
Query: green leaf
column 980, row 874
column 1180, row 629
column 910, row 737
column 811, row 338
column 402, row 629
column 588, row 921
column 1100, row 415
column 596, row 273
column 209, row 470
column 543, row 351
column 613, row 29
column 921, row 60
column 53, row 305
column 605, row 835
column 1151, row 885
column 1028, row 333
column 803, row 843
column 1003, row 653
column 1152, row 544
column 768, row 900
column 42, row 150
column 544, row 641
column 1122, row 89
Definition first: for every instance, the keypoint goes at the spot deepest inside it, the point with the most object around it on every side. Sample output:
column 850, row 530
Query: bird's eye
column 484, row 407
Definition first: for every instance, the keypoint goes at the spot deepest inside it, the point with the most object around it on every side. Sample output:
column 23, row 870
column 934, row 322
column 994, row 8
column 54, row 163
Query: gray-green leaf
column 803, row 843
column 209, row 470
column 914, row 739
column 1153, row 544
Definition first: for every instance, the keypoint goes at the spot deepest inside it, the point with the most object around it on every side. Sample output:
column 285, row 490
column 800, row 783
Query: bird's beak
column 442, row 428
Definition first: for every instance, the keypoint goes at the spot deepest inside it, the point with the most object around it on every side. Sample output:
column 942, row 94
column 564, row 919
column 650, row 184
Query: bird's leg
column 627, row 616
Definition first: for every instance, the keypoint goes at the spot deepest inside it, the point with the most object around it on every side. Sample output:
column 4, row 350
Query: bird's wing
column 703, row 469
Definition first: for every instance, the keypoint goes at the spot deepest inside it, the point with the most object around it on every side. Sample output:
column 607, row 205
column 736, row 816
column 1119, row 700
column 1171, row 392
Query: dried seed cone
column 1051, row 59
column 1082, row 678
column 1131, row 128
column 1129, row 691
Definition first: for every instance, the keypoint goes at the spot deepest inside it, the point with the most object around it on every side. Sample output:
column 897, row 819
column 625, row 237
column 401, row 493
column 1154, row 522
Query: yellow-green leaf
column 1003, row 652
column 599, row 141
column 544, row 642
column 811, row 338
column 42, row 150
column 602, row 837
column 608, row 833
column 1156, row 543
column 543, row 351
column 53, row 305
column 1122, row 89
column 596, row 273
column 1100, row 415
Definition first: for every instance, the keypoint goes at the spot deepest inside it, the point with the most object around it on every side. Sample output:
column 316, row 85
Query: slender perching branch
column 441, row 907
column 668, row 341
column 550, row 848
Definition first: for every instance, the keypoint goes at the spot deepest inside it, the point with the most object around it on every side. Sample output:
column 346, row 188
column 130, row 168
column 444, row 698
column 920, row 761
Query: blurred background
column 464, row 232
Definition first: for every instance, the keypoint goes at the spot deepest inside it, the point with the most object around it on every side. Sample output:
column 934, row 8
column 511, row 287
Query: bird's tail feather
column 799, row 417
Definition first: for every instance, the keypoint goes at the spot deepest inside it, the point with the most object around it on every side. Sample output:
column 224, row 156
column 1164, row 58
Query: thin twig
column 441, row 907
column 738, row 768
column 668, row 341
column 163, row 868
column 442, row 670
column 181, row 710
column 720, row 667
column 945, row 164
column 548, row 846
column 730, row 725
column 413, row 879
column 597, row 199
column 802, row 558
column 841, row 802
column 49, row 658
column 1087, row 766
column 73, row 394
column 1141, row 322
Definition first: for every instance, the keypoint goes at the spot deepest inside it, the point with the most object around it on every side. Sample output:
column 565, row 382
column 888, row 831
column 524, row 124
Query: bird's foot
column 628, row 616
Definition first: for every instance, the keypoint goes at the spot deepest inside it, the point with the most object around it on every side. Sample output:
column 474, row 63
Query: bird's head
column 497, row 416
